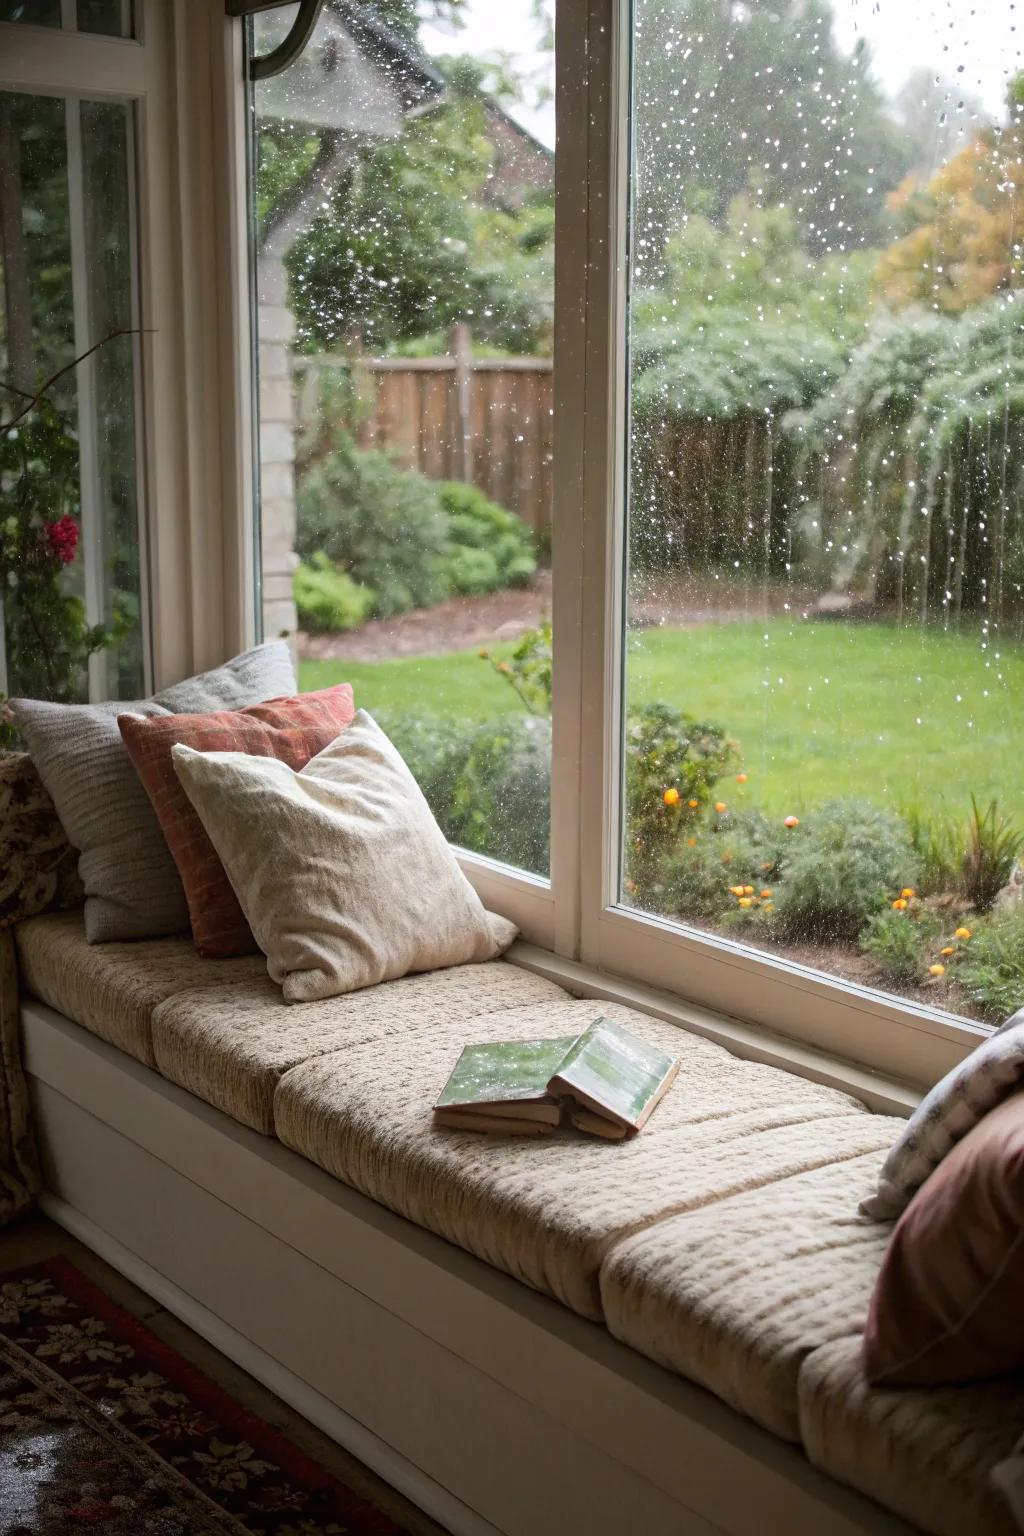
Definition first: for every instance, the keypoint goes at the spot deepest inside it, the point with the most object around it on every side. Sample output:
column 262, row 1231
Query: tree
column 754, row 98
column 963, row 233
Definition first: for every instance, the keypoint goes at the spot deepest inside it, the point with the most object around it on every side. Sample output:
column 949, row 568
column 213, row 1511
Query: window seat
column 723, row 1243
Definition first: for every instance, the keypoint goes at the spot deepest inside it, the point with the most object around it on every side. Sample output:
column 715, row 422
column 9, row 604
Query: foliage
column 329, row 600
column 938, row 844
column 990, row 967
column 411, row 237
column 488, row 785
column 690, row 882
column 845, row 861
column 48, row 637
column 528, row 670
column 902, row 942
column 993, row 843
column 382, row 525
column 672, row 762
column 776, row 93
column 961, row 242
column 410, row 541
column 499, row 541
column 917, row 444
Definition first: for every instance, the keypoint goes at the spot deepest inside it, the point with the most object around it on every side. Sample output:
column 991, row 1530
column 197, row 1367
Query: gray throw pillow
column 132, row 886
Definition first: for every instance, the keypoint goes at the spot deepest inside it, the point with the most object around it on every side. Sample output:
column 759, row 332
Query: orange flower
column 741, row 778
column 721, row 807
column 908, row 891
column 745, row 901
column 737, row 890
column 693, row 804
column 899, row 905
column 936, row 970
column 766, row 895
column 748, row 890
column 948, row 949
column 691, row 842
column 503, row 666
column 962, row 933
column 767, row 864
column 769, row 907
column 671, row 797
column 791, row 822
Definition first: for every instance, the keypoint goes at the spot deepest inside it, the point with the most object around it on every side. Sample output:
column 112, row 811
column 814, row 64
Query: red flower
column 62, row 539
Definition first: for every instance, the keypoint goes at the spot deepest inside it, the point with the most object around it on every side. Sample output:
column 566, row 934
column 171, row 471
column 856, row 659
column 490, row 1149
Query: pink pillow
column 292, row 730
column 946, row 1307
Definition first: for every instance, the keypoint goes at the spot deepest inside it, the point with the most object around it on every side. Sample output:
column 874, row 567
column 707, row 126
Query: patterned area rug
column 105, row 1429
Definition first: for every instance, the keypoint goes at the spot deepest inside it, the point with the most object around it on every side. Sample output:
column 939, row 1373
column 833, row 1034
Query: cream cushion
column 342, row 871
column 925, row 1454
column 736, row 1296
column 112, row 989
column 230, row 1046
column 548, row 1210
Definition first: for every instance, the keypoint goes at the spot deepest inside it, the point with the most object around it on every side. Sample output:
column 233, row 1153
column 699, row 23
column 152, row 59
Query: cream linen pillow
column 342, row 871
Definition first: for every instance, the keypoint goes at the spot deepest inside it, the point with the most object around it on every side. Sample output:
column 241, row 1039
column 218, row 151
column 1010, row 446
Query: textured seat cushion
column 231, row 1047
column 736, row 1296
column 112, row 989
column 549, row 1210
column 925, row 1454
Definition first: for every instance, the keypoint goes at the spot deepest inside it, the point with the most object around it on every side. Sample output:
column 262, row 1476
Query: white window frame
column 905, row 1041
column 193, row 477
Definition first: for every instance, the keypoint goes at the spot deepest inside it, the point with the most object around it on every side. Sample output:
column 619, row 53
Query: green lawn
column 819, row 709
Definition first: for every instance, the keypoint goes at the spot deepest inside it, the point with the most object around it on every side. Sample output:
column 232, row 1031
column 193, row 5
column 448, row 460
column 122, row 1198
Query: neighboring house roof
column 521, row 163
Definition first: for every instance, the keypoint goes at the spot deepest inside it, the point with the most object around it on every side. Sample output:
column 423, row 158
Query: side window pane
column 824, row 649
column 70, row 559
column 404, row 219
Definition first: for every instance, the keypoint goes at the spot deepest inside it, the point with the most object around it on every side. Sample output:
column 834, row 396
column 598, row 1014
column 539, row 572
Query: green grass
column 819, row 709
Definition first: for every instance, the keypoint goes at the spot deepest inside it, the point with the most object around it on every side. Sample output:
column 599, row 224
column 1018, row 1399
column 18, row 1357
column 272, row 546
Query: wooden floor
column 34, row 1238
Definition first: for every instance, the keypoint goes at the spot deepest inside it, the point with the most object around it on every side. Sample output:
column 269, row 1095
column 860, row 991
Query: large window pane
column 824, row 647
column 404, row 250
column 114, row 18
column 70, row 561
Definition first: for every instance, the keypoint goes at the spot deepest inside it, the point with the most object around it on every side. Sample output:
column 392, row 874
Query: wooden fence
column 458, row 417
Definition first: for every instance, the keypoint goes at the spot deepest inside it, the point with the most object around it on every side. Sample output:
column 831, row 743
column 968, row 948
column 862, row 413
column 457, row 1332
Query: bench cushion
column 737, row 1296
column 548, row 1210
column 230, row 1046
column 926, row 1454
column 112, row 989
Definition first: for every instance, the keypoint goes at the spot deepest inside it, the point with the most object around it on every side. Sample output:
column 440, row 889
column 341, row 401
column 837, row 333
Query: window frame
column 574, row 915
column 192, row 478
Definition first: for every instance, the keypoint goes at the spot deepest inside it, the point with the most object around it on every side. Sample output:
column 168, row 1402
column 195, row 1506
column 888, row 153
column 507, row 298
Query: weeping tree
column 912, row 465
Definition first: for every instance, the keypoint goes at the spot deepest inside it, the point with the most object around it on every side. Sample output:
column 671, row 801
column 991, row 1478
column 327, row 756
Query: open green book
column 605, row 1081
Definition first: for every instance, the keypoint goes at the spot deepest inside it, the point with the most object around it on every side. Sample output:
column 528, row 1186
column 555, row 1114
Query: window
column 71, row 541
column 404, row 207
column 823, row 646
column 113, row 18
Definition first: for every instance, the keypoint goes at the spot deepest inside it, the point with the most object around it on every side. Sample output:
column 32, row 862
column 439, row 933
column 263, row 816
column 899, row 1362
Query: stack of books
column 605, row 1081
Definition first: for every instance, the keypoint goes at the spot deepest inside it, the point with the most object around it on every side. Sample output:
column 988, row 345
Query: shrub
column 385, row 526
column 471, row 572
column 475, row 523
column 844, row 862
column 993, row 843
column 990, row 965
column 667, row 750
column 902, row 944
column 528, row 669
column 691, row 881
column 488, row 785
column 328, row 599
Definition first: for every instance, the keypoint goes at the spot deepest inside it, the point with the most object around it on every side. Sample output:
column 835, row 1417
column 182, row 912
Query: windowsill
column 886, row 1095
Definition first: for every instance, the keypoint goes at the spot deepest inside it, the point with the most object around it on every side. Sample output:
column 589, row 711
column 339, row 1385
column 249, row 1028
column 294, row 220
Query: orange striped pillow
column 292, row 730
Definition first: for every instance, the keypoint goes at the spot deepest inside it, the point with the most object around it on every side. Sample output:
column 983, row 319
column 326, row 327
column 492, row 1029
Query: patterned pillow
column 132, row 889
column 955, row 1106
column 292, row 730
column 38, row 866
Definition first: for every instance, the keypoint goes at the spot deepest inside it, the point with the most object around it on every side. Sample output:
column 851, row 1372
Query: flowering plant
column 48, row 639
